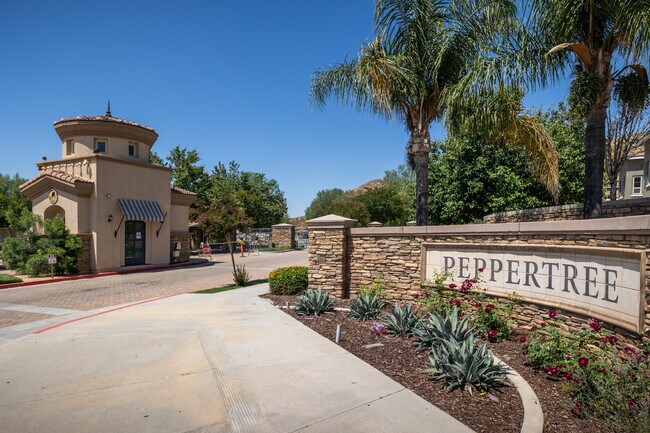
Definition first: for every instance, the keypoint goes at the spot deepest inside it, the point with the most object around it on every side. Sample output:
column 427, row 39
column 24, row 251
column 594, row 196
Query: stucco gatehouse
column 104, row 186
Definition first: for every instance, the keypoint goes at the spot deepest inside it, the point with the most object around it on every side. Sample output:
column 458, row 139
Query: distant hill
column 371, row 184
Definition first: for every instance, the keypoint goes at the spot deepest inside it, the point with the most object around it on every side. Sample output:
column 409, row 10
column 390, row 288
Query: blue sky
column 228, row 78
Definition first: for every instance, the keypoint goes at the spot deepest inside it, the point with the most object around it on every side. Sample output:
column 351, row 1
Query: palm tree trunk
column 419, row 148
column 595, row 143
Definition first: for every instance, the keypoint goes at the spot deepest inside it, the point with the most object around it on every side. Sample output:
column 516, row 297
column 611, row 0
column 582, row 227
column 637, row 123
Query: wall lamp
column 110, row 218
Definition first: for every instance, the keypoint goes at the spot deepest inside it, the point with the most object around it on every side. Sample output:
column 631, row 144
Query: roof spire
column 108, row 109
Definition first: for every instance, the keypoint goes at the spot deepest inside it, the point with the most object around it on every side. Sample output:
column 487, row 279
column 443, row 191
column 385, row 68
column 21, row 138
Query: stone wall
column 83, row 262
column 342, row 258
column 284, row 235
column 184, row 252
column 611, row 209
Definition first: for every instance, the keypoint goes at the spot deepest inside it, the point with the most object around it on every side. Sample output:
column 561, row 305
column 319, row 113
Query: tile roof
column 109, row 119
column 182, row 191
column 57, row 174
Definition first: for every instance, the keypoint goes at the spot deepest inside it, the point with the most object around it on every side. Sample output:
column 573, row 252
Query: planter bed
column 397, row 358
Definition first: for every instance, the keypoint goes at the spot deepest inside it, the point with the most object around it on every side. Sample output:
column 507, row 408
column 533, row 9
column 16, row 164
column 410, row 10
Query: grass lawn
column 7, row 279
column 232, row 287
column 274, row 250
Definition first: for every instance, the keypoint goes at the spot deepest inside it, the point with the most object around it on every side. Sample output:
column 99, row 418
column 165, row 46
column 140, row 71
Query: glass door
column 134, row 243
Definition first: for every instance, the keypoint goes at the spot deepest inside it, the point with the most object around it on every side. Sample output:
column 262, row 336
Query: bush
column 377, row 287
column 607, row 380
column 402, row 320
column 288, row 281
column 8, row 279
column 314, row 302
column 366, row 306
column 241, row 276
column 28, row 254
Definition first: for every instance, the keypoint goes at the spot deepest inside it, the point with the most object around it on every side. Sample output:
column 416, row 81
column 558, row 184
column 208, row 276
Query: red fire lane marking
column 40, row 331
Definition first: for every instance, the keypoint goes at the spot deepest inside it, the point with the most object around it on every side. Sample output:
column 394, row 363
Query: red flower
column 492, row 334
column 568, row 375
column 452, row 286
column 582, row 361
column 489, row 307
column 533, row 328
column 522, row 339
column 568, row 356
column 481, row 269
column 478, row 305
column 633, row 403
column 576, row 410
column 542, row 324
column 455, row 302
column 552, row 313
column 594, row 325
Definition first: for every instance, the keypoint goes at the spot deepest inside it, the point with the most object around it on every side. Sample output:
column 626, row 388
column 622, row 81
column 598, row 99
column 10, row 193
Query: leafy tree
column 221, row 218
column 155, row 159
column 402, row 180
column 188, row 174
column 260, row 198
column 386, row 205
column 609, row 40
column 411, row 70
column 350, row 207
column 323, row 199
column 12, row 201
column 470, row 180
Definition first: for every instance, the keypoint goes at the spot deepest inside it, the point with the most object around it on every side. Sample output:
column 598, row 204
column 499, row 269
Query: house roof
column 182, row 191
column 108, row 119
column 63, row 176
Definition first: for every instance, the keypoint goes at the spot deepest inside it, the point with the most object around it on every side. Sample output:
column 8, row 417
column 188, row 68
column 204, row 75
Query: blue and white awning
column 141, row 210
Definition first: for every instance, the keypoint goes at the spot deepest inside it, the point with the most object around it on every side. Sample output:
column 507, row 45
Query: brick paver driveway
column 93, row 293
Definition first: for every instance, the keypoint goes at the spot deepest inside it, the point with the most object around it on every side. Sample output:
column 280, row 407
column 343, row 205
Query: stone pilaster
column 284, row 235
column 83, row 261
column 182, row 240
column 328, row 254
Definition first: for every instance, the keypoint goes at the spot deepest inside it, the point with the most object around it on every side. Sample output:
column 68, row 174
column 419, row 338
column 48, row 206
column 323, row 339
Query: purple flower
column 378, row 328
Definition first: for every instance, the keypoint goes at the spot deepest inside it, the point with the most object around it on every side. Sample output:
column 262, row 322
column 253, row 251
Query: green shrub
column 292, row 280
column 377, row 287
column 241, row 276
column 436, row 328
column 28, row 254
column 465, row 365
column 366, row 306
column 402, row 320
column 314, row 302
column 8, row 279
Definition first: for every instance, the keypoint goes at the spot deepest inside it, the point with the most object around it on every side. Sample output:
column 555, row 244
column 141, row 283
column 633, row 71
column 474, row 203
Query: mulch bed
column 501, row 412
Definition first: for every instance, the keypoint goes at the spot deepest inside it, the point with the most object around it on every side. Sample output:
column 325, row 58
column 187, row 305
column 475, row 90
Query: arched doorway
column 134, row 243
column 53, row 212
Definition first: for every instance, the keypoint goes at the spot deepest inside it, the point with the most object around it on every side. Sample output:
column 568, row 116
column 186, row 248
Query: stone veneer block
column 284, row 235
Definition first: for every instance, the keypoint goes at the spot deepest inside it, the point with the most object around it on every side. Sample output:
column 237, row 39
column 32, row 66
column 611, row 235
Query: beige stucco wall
column 117, row 147
column 67, row 201
column 128, row 181
column 180, row 219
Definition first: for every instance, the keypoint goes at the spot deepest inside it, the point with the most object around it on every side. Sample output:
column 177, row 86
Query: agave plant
column 436, row 328
column 314, row 302
column 465, row 365
column 366, row 306
column 402, row 320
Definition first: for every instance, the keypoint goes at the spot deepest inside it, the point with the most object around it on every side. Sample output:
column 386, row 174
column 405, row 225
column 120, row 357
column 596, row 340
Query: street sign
column 51, row 259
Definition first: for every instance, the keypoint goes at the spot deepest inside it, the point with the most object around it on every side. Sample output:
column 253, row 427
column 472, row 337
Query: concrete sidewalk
column 229, row 362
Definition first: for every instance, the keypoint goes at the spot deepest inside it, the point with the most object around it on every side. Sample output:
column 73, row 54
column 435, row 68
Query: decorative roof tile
column 182, row 191
column 109, row 119
column 56, row 174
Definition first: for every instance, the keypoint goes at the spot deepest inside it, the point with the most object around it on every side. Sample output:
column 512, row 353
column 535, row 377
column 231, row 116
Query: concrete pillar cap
column 332, row 221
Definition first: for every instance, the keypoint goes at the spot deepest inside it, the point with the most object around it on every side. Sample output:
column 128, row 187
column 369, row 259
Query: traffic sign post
column 51, row 259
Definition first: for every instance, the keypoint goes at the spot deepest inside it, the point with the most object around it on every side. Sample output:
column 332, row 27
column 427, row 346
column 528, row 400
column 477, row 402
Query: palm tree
column 609, row 40
column 410, row 71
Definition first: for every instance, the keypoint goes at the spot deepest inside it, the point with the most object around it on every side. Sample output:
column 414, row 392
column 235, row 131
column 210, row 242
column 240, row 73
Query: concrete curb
column 533, row 414
column 102, row 274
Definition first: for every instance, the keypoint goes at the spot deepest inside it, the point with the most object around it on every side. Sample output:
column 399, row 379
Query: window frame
column 634, row 187
column 69, row 147
column 136, row 149
column 96, row 147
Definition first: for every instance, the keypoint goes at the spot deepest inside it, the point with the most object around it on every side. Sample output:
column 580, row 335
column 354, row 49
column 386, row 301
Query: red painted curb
column 102, row 274
column 58, row 325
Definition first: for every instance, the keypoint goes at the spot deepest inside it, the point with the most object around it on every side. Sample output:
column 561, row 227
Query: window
column 69, row 147
column 636, row 185
column 647, row 173
column 133, row 150
column 100, row 146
